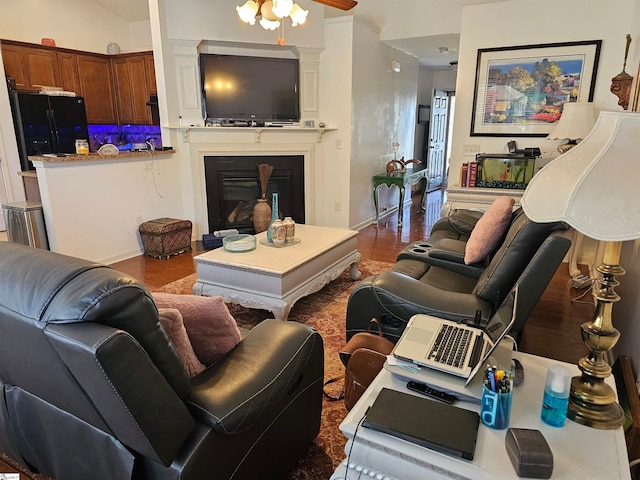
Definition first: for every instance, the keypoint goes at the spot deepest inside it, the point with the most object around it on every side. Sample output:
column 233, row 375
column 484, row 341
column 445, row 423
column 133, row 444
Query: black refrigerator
column 47, row 124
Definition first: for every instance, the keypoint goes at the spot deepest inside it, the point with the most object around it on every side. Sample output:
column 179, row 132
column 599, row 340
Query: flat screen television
column 244, row 88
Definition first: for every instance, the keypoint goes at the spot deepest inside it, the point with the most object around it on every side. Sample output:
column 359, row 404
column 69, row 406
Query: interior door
column 436, row 153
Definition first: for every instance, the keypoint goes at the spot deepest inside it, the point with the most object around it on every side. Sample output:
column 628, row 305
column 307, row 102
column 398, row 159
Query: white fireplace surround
column 202, row 142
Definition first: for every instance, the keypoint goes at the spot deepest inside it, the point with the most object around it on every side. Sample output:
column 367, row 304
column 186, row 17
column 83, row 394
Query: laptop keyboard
column 451, row 346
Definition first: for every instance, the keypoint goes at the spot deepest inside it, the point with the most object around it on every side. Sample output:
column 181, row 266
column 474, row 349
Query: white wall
column 92, row 209
column 383, row 107
column 335, row 110
column 72, row 24
column 522, row 22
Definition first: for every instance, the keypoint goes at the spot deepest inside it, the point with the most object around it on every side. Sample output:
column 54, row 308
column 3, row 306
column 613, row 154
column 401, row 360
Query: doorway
column 438, row 142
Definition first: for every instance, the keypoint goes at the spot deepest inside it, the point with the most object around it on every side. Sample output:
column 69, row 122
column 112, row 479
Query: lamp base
column 592, row 403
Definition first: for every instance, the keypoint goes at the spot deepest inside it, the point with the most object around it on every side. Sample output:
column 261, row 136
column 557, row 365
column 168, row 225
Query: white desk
column 579, row 452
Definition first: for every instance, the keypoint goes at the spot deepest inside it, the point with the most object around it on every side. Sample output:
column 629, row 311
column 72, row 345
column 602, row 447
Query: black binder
column 431, row 424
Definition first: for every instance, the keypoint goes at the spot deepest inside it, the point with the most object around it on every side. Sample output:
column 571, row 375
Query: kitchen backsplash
column 123, row 136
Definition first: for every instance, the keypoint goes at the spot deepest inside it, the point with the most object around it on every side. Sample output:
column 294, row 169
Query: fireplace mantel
column 258, row 132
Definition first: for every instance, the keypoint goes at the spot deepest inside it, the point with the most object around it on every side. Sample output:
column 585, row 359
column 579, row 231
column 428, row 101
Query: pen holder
column 495, row 408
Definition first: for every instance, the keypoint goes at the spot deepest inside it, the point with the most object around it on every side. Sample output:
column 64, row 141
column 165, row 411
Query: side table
column 578, row 451
column 400, row 179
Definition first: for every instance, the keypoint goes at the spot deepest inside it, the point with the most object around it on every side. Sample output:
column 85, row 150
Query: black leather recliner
column 431, row 277
column 92, row 387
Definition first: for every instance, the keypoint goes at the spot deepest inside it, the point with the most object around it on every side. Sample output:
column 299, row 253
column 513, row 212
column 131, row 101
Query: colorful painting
column 520, row 91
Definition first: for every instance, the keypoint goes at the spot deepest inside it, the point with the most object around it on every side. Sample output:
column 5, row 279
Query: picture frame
column 519, row 91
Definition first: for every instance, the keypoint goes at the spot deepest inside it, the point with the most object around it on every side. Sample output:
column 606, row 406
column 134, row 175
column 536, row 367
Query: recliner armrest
column 232, row 394
column 403, row 297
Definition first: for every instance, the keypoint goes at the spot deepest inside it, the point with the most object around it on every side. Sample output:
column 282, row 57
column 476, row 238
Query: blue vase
column 274, row 215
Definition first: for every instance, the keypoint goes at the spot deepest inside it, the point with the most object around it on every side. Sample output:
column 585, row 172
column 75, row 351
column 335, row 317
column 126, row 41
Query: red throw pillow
column 211, row 328
column 489, row 230
column 172, row 323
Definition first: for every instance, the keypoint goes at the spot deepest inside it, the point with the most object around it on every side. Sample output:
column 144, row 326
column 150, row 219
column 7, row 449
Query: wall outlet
column 338, row 144
column 139, row 219
column 470, row 150
column 337, row 206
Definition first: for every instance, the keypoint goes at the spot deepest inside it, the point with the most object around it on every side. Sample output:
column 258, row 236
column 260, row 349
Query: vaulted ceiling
column 435, row 51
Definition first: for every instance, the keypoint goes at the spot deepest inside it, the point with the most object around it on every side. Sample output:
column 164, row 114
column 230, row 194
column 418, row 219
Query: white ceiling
column 426, row 49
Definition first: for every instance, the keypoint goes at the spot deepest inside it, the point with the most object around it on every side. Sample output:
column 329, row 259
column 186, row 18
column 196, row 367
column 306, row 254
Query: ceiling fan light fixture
column 248, row 11
column 269, row 24
column 282, row 8
column 298, row 15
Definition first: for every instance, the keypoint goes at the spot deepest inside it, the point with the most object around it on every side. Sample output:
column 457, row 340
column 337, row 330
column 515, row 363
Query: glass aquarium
column 505, row 170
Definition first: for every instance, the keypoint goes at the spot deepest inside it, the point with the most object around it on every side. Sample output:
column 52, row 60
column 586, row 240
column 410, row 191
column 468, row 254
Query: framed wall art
column 520, row 91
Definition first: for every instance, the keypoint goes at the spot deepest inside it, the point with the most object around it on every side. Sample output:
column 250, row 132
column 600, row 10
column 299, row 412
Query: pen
column 492, row 380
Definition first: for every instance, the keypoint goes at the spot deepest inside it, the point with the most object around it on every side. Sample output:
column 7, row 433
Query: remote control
column 431, row 392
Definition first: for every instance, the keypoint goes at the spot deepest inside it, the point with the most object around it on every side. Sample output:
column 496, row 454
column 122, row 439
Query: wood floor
column 551, row 331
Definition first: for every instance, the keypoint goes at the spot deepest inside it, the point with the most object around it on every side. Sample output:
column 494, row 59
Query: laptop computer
column 451, row 347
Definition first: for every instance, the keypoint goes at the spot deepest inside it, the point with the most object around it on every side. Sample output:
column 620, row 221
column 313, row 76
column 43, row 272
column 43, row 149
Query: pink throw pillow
column 489, row 230
column 211, row 328
column 171, row 321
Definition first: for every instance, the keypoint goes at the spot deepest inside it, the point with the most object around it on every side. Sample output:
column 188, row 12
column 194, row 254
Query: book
column 464, row 171
column 438, row 426
column 473, row 174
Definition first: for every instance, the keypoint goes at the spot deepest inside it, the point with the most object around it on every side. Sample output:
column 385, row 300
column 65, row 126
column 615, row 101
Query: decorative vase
column 274, row 216
column 261, row 215
column 262, row 210
column 113, row 48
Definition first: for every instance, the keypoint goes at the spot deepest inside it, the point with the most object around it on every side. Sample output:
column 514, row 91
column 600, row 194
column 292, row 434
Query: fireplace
column 233, row 187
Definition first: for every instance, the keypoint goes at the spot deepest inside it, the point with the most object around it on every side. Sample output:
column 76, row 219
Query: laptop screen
column 501, row 319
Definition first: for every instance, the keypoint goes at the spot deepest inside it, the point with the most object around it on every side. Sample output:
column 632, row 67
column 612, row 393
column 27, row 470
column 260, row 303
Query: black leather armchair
column 92, row 387
column 431, row 277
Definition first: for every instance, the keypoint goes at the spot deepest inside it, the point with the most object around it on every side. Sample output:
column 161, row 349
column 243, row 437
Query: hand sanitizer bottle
column 556, row 396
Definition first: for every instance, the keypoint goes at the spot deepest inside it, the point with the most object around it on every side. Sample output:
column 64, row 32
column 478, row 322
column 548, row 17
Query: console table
column 412, row 176
column 578, row 451
column 476, row 198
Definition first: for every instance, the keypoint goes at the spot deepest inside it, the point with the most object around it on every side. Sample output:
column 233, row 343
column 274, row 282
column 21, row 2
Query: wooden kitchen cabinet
column 96, row 86
column 14, row 66
column 116, row 88
column 132, row 90
column 69, row 75
column 31, row 67
column 150, row 73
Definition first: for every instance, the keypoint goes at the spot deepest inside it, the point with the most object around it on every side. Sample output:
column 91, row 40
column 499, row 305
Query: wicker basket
column 164, row 237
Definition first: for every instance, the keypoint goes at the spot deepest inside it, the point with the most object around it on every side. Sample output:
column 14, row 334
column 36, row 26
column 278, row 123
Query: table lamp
column 594, row 188
column 575, row 123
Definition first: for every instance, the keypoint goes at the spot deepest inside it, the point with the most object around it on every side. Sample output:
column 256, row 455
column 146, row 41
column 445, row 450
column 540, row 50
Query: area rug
column 324, row 310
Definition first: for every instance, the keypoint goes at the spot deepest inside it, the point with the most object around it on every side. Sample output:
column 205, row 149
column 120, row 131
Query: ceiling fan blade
column 341, row 4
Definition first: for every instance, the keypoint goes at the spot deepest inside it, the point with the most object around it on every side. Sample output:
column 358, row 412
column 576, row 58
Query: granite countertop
column 95, row 156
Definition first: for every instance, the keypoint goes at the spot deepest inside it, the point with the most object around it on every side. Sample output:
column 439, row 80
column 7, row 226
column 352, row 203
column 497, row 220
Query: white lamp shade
column 248, row 11
column 576, row 121
column 298, row 15
column 594, row 187
column 282, row 8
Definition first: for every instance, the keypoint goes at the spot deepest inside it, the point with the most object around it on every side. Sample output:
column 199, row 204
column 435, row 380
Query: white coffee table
column 273, row 279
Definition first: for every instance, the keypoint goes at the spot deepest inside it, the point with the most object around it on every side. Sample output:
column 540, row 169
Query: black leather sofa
column 92, row 387
column 431, row 277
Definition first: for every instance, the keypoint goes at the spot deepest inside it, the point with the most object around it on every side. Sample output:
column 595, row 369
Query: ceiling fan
column 341, row 4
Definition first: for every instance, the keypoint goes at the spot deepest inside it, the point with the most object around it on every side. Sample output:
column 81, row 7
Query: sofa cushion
column 172, row 322
column 489, row 230
column 211, row 328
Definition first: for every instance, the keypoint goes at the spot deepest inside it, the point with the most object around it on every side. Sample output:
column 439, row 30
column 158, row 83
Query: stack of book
column 469, row 174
